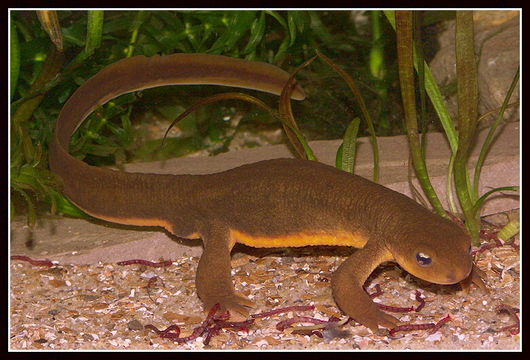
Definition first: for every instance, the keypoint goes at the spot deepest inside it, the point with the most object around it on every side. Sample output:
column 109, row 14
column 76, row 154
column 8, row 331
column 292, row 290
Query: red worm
column 377, row 292
column 411, row 327
column 198, row 331
column 146, row 263
column 45, row 262
column 394, row 308
column 420, row 300
column 485, row 234
column 514, row 329
column 439, row 324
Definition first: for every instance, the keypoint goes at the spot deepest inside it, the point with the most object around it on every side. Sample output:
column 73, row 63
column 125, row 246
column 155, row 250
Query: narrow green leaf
column 291, row 24
column 418, row 52
column 139, row 19
column 475, row 210
column 377, row 50
column 318, row 27
column 94, row 30
column 467, row 95
column 282, row 50
column 362, row 105
column 25, row 110
column 509, row 230
column 278, row 17
column 300, row 20
column 491, row 133
column 92, row 40
column 450, row 197
column 65, row 206
column 257, row 31
column 240, row 23
column 404, row 29
column 338, row 157
column 14, row 57
column 435, row 95
column 349, row 145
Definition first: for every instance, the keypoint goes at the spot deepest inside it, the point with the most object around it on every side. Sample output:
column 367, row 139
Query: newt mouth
column 454, row 278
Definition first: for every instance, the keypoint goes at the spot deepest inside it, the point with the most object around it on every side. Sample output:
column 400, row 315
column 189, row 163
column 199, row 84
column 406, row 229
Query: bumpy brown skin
column 283, row 202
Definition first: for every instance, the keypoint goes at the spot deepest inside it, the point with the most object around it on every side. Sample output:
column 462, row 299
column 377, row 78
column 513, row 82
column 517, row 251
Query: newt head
column 438, row 252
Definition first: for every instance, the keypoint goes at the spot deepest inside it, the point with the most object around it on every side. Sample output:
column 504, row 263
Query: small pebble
column 135, row 325
column 87, row 337
column 54, row 312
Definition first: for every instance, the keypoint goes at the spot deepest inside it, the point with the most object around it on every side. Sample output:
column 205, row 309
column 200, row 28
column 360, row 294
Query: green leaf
column 475, row 210
column 435, row 95
column 291, row 24
column 75, row 34
column 404, row 31
column 257, row 30
column 491, row 133
column 377, row 50
column 139, row 19
column 240, row 23
column 14, row 59
column 509, row 230
column 338, row 157
column 467, row 96
column 65, row 206
column 362, row 105
column 278, row 18
column 93, row 37
column 318, row 27
column 281, row 50
column 300, row 20
column 348, row 146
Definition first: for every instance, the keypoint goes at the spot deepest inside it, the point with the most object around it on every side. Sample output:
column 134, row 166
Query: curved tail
column 90, row 187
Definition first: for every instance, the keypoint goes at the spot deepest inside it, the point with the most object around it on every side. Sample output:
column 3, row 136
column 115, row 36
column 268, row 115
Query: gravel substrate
column 107, row 306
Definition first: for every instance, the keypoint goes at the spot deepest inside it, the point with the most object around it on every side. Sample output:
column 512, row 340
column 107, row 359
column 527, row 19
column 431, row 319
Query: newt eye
column 423, row 259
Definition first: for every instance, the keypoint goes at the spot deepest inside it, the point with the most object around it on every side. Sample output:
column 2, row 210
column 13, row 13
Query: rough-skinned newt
column 280, row 202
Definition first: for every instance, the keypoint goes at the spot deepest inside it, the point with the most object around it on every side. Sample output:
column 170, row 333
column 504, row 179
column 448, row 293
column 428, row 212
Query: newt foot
column 235, row 304
column 372, row 317
column 477, row 277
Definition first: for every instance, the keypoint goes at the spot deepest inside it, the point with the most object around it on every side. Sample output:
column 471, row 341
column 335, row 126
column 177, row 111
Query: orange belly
column 338, row 238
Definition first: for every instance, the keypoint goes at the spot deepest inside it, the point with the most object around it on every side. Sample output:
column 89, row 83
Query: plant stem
column 23, row 113
column 404, row 28
column 489, row 138
column 467, row 94
column 362, row 105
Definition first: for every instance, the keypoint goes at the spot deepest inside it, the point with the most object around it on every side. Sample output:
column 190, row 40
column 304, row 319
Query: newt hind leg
column 213, row 279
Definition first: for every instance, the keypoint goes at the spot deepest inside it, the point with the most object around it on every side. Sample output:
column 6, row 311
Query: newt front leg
column 347, row 286
column 213, row 279
column 476, row 277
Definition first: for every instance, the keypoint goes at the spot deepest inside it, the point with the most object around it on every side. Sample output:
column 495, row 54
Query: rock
column 497, row 46
column 135, row 325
